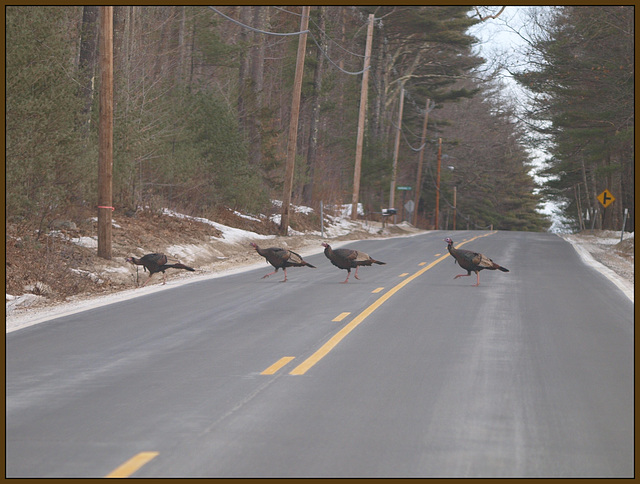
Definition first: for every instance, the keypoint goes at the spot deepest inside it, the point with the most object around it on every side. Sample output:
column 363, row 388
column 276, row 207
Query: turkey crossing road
column 403, row 373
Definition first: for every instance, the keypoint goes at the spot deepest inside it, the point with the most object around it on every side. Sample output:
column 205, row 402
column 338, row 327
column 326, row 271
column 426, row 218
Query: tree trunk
column 307, row 190
column 161, row 60
column 243, row 71
column 628, row 190
column 256, row 68
column 88, row 62
column 379, row 77
column 594, row 193
column 182, row 45
column 586, row 185
column 257, row 50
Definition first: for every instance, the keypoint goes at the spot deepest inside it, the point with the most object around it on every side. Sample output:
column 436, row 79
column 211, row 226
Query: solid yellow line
column 277, row 365
column 132, row 465
column 340, row 316
column 303, row 367
column 377, row 290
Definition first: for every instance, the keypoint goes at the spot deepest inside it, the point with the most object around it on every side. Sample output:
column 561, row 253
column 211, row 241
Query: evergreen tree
column 46, row 166
column 584, row 85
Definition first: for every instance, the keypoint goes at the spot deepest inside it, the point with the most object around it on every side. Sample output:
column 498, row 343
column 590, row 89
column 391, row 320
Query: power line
column 323, row 32
column 332, row 62
column 297, row 33
column 254, row 29
column 402, row 131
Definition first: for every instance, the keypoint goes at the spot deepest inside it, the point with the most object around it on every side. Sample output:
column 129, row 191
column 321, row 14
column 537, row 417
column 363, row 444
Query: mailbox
column 389, row 211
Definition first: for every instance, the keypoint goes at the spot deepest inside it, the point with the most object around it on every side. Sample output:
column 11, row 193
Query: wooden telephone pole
column 105, row 134
column 455, row 210
column 361, row 119
column 420, row 161
column 293, row 123
column 392, row 192
column 438, row 184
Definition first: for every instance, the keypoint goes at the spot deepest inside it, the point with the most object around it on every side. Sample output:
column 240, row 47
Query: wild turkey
column 348, row 259
column 472, row 261
column 156, row 263
column 281, row 259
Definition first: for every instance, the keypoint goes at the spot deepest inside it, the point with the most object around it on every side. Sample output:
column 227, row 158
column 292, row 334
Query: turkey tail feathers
column 182, row 266
column 503, row 269
column 296, row 260
column 379, row 262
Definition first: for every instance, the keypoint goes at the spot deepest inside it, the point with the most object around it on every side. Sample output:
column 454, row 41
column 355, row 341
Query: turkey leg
column 270, row 273
column 466, row 275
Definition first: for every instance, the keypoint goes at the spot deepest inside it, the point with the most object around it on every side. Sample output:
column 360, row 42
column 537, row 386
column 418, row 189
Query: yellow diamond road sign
column 606, row 199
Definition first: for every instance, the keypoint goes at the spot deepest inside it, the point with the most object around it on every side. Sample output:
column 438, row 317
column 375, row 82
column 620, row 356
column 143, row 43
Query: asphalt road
column 531, row 374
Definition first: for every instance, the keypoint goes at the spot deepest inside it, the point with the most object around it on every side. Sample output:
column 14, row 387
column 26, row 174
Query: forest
column 203, row 103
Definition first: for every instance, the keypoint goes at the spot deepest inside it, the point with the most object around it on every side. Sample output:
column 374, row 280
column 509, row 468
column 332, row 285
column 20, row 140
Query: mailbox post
column 386, row 212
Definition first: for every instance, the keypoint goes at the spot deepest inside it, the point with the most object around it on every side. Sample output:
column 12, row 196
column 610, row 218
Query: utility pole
column 361, row 119
column 455, row 210
column 392, row 193
column 438, row 183
column 105, row 134
column 420, row 160
column 293, row 123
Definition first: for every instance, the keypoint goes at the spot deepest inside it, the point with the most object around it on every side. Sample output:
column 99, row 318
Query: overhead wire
column 333, row 63
column 253, row 28
column 430, row 172
column 326, row 55
column 349, row 73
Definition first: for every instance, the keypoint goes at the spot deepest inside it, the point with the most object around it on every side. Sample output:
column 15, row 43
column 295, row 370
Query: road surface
column 403, row 373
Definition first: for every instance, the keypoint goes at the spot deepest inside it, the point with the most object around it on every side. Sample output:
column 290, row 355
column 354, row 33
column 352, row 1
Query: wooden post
column 624, row 222
column 455, row 210
column 420, row 160
column 438, row 183
column 105, row 133
column 361, row 118
column 293, row 123
column 392, row 192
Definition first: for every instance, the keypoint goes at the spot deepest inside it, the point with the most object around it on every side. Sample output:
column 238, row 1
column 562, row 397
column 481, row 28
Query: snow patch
column 588, row 249
column 248, row 217
column 191, row 251
column 94, row 277
column 113, row 223
column 23, row 301
column 296, row 208
column 88, row 242
column 119, row 269
column 230, row 235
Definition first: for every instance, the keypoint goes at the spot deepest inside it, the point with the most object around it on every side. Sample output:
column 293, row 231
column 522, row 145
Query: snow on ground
column 601, row 251
column 26, row 310
column 88, row 242
column 604, row 251
column 229, row 234
column 296, row 208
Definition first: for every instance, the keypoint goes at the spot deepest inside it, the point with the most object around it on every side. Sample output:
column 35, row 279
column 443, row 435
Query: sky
column 498, row 37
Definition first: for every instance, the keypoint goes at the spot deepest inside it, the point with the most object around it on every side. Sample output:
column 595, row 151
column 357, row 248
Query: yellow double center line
column 303, row 367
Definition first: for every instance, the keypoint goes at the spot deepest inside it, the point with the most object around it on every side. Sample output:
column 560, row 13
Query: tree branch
column 482, row 19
